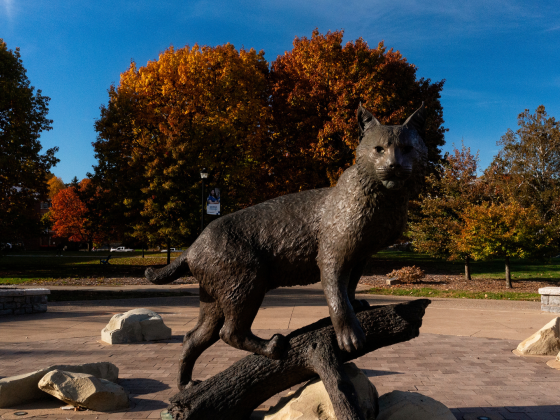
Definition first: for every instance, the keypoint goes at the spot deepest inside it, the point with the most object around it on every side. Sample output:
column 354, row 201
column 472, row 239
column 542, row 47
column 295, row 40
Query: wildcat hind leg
column 239, row 316
column 203, row 335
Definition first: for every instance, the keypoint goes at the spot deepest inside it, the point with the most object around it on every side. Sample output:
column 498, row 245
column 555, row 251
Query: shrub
column 408, row 274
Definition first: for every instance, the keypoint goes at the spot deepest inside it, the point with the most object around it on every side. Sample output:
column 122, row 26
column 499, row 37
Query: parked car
column 172, row 250
column 121, row 249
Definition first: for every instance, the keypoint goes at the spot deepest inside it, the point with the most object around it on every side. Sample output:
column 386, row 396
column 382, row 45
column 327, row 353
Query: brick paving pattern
column 472, row 376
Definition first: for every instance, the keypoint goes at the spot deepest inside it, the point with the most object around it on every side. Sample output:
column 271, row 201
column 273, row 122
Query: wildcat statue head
column 391, row 153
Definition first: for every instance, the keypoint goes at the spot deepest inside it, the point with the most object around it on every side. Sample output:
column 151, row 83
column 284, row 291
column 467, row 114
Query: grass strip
column 457, row 294
column 73, row 295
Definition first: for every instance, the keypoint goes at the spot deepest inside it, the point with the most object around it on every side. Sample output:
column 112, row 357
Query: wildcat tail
column 171, row 272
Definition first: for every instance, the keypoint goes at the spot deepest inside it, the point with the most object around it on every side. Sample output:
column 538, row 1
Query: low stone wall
column 550, row 299
column 14, row 301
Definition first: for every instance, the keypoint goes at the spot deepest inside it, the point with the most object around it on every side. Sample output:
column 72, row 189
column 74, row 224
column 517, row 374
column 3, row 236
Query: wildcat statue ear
column 417, row 119
column 365, row 120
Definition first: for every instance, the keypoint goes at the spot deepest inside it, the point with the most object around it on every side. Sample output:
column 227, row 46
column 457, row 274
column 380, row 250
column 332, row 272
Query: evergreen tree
column 23, row 169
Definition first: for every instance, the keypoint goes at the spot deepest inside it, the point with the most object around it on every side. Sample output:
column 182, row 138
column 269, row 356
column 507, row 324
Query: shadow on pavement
column 142, row 386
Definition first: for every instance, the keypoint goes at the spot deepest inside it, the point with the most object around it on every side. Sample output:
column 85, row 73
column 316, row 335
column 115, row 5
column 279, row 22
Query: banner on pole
column 213, row 202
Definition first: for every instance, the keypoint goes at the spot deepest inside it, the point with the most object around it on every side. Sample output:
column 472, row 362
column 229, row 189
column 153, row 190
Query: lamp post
column 203, row 176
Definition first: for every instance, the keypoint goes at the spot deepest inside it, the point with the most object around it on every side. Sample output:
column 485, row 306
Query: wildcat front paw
column 276, row 346
column 351, row 337
column 186, row 385
column 359, row 305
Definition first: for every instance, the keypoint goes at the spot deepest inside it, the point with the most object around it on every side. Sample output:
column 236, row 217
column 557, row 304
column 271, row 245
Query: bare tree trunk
column 508, row 274
column 234, row 393
column 168, row 252
column 467, row 267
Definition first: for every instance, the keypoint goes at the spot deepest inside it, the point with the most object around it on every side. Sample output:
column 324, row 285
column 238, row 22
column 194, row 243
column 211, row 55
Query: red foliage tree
column 70, row 216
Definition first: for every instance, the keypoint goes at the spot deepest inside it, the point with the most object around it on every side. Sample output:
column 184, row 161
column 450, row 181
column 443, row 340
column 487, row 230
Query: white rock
column 135, row 326
column 311, row 401
column 545, row 341
column 401, row 405
column 83, row 390
column 22, row 388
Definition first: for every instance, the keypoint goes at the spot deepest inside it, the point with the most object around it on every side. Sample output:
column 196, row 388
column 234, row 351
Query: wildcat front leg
column 349, row 333
column 355, row 275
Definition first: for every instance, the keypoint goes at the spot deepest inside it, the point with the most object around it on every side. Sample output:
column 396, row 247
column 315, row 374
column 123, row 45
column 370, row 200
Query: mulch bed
column 455, row 282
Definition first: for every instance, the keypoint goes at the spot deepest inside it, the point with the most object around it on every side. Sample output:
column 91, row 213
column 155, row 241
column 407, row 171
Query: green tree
column 436, row 228
column 23, row 169
column 528, row 166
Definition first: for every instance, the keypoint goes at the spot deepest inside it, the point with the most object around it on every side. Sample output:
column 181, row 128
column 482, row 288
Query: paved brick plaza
column 472, row 375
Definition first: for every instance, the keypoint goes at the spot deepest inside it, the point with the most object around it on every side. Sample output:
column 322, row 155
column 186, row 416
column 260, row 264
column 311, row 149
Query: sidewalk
column 462, row 358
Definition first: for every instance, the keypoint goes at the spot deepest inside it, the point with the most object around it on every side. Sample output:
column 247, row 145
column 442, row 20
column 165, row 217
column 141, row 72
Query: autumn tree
column 69, row 215
column 504, row 230
column 23, row 169
column 316, row 89
column 437, row 226
column 261, row 133
column 55, row 185
column 192, row 108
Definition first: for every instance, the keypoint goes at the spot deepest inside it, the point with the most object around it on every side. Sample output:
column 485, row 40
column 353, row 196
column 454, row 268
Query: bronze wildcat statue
column 322, row 235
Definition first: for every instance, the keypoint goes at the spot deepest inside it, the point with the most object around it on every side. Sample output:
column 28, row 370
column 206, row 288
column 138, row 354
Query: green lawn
column 521, row 269
column 45, row 266
column 33, row 266
column 458, row 294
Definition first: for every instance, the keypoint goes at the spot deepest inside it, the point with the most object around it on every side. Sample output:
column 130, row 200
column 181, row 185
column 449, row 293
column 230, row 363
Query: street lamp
column 203, row 176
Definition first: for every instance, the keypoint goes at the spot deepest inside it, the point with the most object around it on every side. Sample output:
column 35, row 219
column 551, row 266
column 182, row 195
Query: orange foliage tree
column 192, row 108
column 316, row 89
column 70, row 217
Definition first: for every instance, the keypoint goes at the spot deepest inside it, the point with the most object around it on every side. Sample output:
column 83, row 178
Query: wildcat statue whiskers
column 322, row 235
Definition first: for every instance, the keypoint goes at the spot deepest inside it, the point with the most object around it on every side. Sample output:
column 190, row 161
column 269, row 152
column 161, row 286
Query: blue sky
column 498, row 57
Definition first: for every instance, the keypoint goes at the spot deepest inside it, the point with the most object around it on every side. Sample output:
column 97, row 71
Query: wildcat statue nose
column 393, row 184
column 393, row 176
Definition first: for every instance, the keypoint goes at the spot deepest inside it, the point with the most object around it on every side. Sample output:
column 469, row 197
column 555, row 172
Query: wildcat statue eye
column 407, row 149
column 379, row 149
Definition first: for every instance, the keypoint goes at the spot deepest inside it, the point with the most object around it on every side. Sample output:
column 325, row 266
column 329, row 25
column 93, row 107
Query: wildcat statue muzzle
column 322, row 235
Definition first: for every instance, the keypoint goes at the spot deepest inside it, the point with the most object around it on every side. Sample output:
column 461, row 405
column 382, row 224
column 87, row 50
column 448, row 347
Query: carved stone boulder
column 135, row 326
column 83, row 390
column 312, row 401
column 402, row 405
column 23, row 388
column 545, row 341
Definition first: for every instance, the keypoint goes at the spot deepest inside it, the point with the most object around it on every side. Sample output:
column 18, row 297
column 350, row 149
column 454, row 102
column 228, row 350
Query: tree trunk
column 168, row 252
column 234, row 393
column 467, row 267
column 142, row 251
column 508, row 274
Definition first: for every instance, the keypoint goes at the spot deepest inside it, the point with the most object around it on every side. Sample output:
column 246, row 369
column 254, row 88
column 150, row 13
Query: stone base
column 555, row 364
column 550, row 299
column 393, row 281
column 15, row 301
